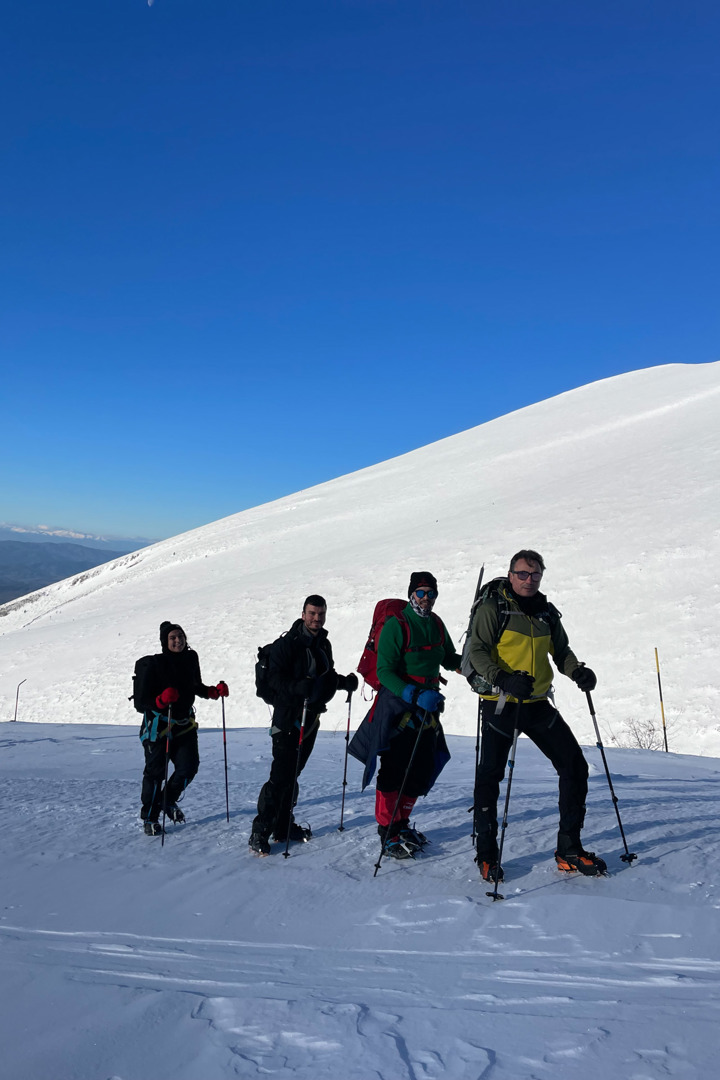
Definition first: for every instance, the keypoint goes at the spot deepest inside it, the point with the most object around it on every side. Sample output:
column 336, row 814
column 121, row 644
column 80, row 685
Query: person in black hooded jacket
column 167, row 690
column 300, row 669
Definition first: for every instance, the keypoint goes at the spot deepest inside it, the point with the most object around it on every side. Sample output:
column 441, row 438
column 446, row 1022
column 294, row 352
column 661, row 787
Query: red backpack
column 384, row 609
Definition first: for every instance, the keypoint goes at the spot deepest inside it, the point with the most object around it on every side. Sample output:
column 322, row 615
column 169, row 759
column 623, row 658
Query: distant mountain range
column 26, row 567
column 31, row 558
column 44, row 534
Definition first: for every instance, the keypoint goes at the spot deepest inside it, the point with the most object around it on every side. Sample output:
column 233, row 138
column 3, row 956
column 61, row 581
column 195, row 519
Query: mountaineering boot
column 488, row 869
column 393, row 843
column 584, row 862
column 175, row 814
column 258, row 844
column 411, row 837
column 299, row 833
column 395, row 848
column 152, row 828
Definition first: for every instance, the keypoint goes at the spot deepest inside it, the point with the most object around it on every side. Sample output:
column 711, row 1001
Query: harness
column 150, row 728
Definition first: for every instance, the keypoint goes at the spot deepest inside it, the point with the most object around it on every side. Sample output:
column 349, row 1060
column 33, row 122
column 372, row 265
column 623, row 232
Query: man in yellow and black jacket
column 514, row 633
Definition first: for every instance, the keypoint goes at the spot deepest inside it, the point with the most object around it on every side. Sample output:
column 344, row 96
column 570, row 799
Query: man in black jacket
column 302, row 675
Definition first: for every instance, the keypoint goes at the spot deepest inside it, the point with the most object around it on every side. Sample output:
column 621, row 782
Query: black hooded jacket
column 180, row 670
column 296, row 656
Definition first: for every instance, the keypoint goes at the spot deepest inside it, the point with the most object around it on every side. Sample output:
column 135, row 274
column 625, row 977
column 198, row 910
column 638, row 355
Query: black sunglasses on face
column 430, row 593
column 535, row 575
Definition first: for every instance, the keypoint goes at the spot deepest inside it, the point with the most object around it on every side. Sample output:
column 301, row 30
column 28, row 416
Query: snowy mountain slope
column 616, row 483
column 125, row 960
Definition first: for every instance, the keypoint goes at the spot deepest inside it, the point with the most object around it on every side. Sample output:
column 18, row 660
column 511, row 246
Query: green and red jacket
column 430, row 649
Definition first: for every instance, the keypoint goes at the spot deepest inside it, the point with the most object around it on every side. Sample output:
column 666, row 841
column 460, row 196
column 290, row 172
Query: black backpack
column 263, row 689
column 141, row 678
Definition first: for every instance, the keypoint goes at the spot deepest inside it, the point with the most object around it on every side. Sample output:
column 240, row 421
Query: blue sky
column 247, row 247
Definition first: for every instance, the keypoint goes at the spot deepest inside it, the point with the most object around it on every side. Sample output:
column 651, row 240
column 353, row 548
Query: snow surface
column 615, row 483
column 123, row 960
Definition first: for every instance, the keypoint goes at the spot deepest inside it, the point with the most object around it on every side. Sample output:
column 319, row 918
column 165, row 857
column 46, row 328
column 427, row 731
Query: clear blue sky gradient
column 247, row 247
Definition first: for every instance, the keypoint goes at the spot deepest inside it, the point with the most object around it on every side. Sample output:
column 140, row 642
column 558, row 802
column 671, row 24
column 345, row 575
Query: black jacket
column 181, row 670
column 294, row 657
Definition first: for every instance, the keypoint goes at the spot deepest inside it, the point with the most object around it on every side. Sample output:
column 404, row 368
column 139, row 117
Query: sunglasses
column 535, row 575
column 430, row 593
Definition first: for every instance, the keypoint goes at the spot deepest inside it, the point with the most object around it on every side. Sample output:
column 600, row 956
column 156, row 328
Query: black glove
column 304, row 687
column 348, row 682
column 518, row 683
column 585, row 678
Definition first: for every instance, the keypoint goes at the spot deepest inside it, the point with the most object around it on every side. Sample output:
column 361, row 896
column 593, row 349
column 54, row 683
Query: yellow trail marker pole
column 662, row 707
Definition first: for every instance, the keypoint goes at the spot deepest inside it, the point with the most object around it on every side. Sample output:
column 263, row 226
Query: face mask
column 422, row 612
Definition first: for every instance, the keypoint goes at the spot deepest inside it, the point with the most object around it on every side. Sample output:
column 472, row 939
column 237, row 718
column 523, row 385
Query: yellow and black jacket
column 505, row 637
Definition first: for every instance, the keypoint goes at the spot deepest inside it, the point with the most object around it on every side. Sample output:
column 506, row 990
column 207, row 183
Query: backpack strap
column 408, row 648
column 492, row 591
column 421, row 648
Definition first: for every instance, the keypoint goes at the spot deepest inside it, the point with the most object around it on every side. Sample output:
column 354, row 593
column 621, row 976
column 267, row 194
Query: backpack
column 385, row 609
column 477, row 683
column 263, row 689
column 141, row 676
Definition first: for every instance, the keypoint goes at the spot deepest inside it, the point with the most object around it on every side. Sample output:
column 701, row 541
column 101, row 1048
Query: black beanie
column 420, row 578
column 166, row 629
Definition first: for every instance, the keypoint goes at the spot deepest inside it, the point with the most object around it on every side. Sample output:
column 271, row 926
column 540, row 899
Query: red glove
column 168, row 697
column 222, row 689
column 212, row 693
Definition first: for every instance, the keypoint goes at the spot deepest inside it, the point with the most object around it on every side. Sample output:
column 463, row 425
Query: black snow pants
column 544, row 725
column 185, row 757
column 277, row 798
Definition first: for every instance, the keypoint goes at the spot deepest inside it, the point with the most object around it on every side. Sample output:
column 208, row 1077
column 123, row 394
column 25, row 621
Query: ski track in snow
column 199, row 962
column 261, row 1002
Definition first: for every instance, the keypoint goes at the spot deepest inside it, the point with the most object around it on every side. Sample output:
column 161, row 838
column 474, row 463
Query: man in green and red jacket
column 403, row 728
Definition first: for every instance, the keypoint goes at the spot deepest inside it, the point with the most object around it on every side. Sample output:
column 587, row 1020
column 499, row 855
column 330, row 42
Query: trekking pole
column 477, row 764
column 628, row 856
column 662, row 707
column 511, row 768
column 341, row 827
column 167, row 759
column 17, row 695
column 306, row 702
column 400, row 792
column 466, row 669
column 478, row 587
column 227, row 795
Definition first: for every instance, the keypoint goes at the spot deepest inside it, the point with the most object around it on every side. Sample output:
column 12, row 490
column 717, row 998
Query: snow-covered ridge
column 615, row 482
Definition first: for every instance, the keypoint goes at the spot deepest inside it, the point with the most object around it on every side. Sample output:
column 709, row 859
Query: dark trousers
column 542, row 723
column 394, row 762
column 185, row 758
column 277, row 797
